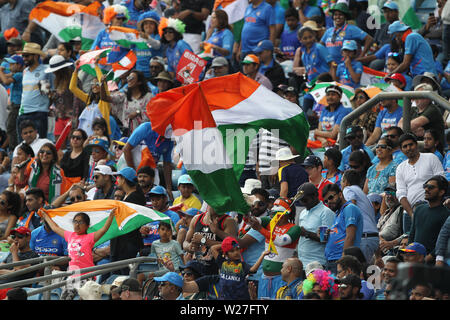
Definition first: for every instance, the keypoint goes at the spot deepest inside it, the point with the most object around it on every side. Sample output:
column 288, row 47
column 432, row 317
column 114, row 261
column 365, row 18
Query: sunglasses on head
column 393, row 54
column 343, row 286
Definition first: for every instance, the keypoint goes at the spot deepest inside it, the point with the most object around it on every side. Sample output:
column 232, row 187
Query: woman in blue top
column 333, row 38
column 114, row 16
column 221, row 38
column 431, row 144
column 148, row 28
column 380, row 175
column 173, row 38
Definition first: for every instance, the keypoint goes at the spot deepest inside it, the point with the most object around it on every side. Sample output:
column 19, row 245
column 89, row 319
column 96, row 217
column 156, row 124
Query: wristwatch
column 203, row 241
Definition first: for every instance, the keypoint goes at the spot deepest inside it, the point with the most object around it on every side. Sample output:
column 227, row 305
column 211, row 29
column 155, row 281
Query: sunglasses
column 47, row 152
column 331, row 197
column 77, row 137
column 78, row 222
column 18, row 236
column 187, row 274
column 382, row 146
column 429, row 186
column 73, row 199
column 393, row 54
column 343, row 286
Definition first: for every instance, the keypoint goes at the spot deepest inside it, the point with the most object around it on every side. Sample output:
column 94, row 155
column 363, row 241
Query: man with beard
column 36, row 85
column 411, row 174
column 347, row 228
column 315, row 215
column 104, row 182
column 350, row 287
column 430, row 217
column 146, row 179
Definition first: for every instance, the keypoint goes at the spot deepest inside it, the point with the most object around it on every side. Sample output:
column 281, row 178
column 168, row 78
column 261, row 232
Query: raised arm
column 73, row 86
column 99, row 233
column 52, row 224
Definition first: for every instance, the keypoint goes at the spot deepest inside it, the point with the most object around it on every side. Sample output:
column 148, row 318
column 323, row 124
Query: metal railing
column 407, row 96
column 42, row 262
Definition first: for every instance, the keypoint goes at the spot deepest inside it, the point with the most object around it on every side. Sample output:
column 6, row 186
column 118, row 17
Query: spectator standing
column 128, row 245
column 315, row 215
column 259, row 24
column 352, row 192
column 334, row 37
column 347, row 228
column 147, row 26
column 289, row 41
column 36, row 85
column 290, row 174
column 442, row 245
column 14, row 79
column 429, row 218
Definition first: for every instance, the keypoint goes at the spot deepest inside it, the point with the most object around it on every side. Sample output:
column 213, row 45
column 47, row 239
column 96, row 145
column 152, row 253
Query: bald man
column 292, row 274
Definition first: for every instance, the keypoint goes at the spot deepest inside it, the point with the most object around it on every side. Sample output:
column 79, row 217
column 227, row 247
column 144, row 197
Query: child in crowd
column 348, row 72
column 99, row 131
column 165, row 249
column 186, row 187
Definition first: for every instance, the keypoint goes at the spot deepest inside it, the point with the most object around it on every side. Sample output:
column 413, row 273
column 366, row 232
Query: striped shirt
column 268, row 145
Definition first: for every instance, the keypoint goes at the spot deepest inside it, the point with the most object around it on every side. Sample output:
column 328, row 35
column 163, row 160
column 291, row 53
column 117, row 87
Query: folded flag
column 128, row 216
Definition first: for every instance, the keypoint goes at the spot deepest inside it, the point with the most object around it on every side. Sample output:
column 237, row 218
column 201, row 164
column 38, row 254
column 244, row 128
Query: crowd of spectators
column 379, row 201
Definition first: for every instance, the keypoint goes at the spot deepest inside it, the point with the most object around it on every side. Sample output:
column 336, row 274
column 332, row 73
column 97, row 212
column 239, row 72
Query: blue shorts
column 269, row 285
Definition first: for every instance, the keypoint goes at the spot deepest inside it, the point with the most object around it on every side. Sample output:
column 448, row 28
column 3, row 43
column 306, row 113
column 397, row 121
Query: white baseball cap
column 103, row 169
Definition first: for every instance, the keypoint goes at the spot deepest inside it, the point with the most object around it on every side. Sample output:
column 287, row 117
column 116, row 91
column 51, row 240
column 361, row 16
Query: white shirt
column 410, row 178
column 35, row 145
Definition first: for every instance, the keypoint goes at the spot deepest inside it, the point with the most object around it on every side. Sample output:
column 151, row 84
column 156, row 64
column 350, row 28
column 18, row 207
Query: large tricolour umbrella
column 319, row 95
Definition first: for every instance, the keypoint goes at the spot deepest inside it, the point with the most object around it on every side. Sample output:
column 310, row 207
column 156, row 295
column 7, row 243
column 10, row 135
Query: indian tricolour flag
column 127, row 37
column 406, row 13
column 236, row 11
column 68, row 21
column 371, row 76
column 213, row 123
column 128, row 216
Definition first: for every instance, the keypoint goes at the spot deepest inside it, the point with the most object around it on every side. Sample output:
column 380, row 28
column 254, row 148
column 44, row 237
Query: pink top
column 80, row 249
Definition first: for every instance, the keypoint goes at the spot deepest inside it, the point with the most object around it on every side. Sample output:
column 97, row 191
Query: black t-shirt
column 436, row 121
column 193, row 25
column 128, row 245
column 22, row 256
column 78, row 167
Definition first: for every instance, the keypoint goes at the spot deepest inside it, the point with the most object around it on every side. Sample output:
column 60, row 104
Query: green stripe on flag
column 70, row 33
column 133, row 224
column 222, row 190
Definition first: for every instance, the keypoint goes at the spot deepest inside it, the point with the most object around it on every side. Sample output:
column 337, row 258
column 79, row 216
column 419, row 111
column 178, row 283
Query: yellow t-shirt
column 191, row 202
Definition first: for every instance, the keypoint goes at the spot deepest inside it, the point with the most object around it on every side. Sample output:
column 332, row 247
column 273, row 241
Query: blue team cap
column 128, row 173
column 172, row 277
column 192, row 212
column 390, row 5
column 415, row 247
column 263, row 45
column 102, row 143
column 349, row 45
column 185, row 179
column 159, row 190
column 397, row 26
column 15, row 59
